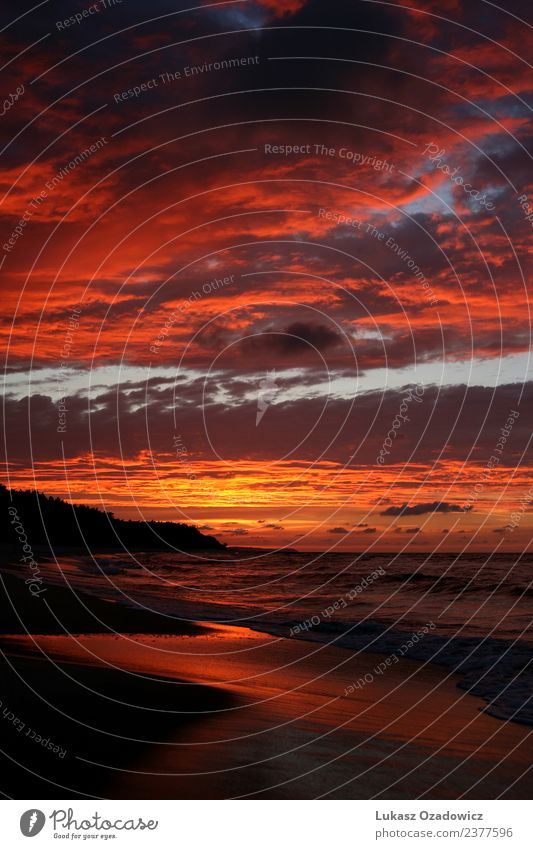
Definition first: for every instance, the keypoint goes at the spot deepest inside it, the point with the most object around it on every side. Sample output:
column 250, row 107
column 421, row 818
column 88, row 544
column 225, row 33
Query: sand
column 223, row 712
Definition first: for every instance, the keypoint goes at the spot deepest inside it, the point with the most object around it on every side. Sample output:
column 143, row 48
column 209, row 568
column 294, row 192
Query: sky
column 265, row 267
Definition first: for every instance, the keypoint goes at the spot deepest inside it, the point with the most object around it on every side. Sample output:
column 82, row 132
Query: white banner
column 267, row 824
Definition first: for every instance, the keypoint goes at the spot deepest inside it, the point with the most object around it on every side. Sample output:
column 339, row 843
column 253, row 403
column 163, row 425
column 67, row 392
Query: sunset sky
column 244, row 239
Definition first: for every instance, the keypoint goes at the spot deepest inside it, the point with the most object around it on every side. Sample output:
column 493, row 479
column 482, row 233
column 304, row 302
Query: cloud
column 421, row 509
column 281, row 8
column 300, row 280
column 296, row 339
column 300, row 336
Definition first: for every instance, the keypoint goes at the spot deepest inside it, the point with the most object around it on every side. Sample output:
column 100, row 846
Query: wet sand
column 232, row 713
column 222, row 712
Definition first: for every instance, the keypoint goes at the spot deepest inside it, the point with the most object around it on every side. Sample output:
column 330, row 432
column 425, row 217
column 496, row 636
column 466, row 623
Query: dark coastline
column 34, row 518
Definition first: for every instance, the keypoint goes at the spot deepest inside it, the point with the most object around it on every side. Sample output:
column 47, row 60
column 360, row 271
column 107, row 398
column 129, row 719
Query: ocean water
column 474, row 611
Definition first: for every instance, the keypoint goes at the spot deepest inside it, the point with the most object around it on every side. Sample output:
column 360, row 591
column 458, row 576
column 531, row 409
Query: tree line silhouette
column 51, row 521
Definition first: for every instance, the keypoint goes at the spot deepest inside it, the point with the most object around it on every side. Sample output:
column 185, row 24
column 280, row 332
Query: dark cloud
column 420, row 509
column 296, row 339
column 193, row 186
column 456, row 422
column 300, row 336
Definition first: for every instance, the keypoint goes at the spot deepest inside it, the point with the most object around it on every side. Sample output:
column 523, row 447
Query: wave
column 454, row 584
column 498, row 671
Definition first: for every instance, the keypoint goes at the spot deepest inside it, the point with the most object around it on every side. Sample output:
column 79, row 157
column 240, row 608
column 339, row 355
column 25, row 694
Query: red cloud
column 281, row 8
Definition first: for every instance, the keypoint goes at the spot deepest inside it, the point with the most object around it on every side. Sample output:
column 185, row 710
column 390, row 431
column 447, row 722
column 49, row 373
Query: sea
column 471, row 614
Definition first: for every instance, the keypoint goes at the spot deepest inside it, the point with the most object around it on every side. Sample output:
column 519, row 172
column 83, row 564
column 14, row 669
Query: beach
column 143, row 706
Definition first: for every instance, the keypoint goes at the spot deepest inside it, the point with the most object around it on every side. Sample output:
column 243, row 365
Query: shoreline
column 230, row 713
column 147, row 707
